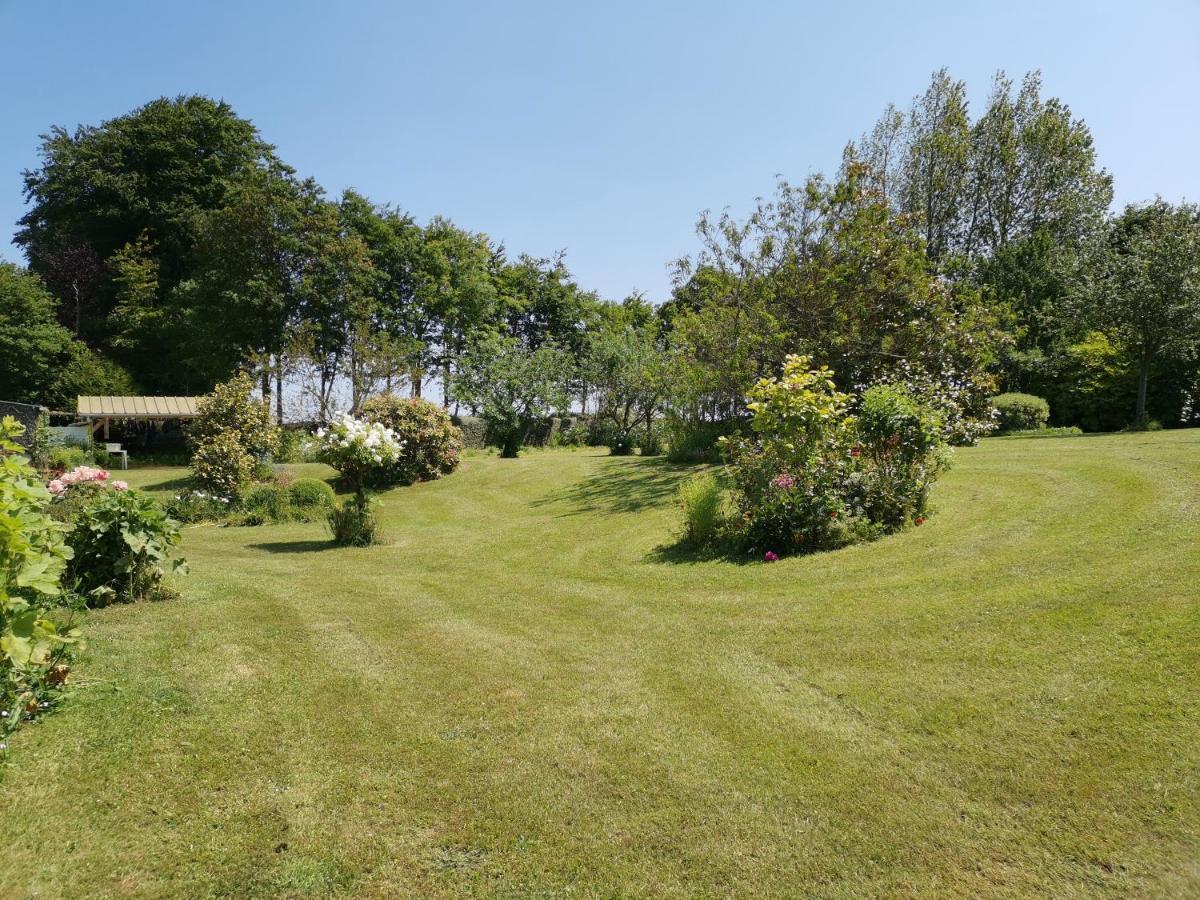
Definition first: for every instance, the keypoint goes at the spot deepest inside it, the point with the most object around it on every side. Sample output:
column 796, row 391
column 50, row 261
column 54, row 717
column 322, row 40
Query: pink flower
column 119, row 485
column 56, row 486
column 770, row 556
column 101, row 475
column 783, row 482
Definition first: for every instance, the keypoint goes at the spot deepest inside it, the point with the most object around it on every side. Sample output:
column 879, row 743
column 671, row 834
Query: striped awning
column 138, row 407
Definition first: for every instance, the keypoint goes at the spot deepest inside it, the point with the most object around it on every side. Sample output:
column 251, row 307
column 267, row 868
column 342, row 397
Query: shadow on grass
column 630, row 484
column 683, row 553
column 170, row 485
column 293, row 546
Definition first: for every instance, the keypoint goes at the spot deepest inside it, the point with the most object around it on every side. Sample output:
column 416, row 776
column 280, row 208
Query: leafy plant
column 814, row 476
column 230, row 437
column 354, row 523
column 33, row 557
column 310, row 495
column 702, row 500
column 1020, row 412
column 197, row 506
column 122, row 543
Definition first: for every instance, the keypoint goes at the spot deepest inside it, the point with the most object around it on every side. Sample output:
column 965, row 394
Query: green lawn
column 524, row 696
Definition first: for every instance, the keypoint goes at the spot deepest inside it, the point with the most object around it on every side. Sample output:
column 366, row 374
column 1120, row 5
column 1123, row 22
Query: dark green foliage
column 474, row 431
column 432, row 443
column 1020, row 412
column 116, row 215
column 696, row 441
column 122, row 543
column 34, row 349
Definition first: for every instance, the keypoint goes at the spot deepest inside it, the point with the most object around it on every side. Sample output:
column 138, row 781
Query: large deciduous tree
column 1143, row 284
column 129, row 199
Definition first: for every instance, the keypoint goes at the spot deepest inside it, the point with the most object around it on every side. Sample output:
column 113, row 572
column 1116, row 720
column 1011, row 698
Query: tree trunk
column 279, row 390
column 416, row 385
column 1142, row 386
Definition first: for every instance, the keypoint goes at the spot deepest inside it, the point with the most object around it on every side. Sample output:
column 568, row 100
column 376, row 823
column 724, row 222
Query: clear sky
column 598, row 128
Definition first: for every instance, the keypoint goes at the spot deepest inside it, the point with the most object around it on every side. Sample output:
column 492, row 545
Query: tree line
column 172, row 246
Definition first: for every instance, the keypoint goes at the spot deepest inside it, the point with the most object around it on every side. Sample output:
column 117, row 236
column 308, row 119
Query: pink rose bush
column 82, row 475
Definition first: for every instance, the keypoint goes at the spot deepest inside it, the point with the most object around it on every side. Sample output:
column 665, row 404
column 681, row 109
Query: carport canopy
column 100, row 410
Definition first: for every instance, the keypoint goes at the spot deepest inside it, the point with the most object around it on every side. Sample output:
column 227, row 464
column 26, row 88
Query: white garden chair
column 115, row 450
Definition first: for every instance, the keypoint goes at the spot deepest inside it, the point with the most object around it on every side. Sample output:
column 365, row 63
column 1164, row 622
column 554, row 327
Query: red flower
column 919, row 520
column 855, row 452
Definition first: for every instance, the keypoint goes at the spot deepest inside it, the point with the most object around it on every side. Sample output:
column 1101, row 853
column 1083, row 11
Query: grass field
column 525, row 695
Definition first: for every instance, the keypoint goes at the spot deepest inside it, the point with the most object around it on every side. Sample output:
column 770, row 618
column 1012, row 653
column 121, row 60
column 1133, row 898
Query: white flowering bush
column 361, row 451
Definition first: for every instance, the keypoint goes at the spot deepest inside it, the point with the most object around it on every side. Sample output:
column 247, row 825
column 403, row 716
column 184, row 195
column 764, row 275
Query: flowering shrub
column 33, row 554
column 120, row 540
column 361, row 451
column 231, row 435
column 788, row 477
column 431, row 443
column 815, row 476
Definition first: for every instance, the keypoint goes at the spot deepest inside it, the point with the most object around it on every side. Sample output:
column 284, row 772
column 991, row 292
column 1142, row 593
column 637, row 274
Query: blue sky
column 599, row 128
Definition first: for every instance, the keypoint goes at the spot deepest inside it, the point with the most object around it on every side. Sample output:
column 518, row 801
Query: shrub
column 197, row 506
column 1020, row 412
column 652, row 442
column 121, row 541
column 691, row 441
column 271, row 502
column 901, row 450
column 230, row 437
column 702, row 500
column 311, row 494
column 574, row 435
column 814, row 476
column 33, row 556
column 354, row 524
column 474, row 431
column 292, row 443
column 432, row 444
column 222, row 466
column 621, row 446
column 67, row 457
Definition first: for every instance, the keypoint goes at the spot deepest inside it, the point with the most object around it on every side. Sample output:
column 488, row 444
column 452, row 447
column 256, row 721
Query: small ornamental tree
column 513, row 388
column 231, row 434
column 362, row 452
